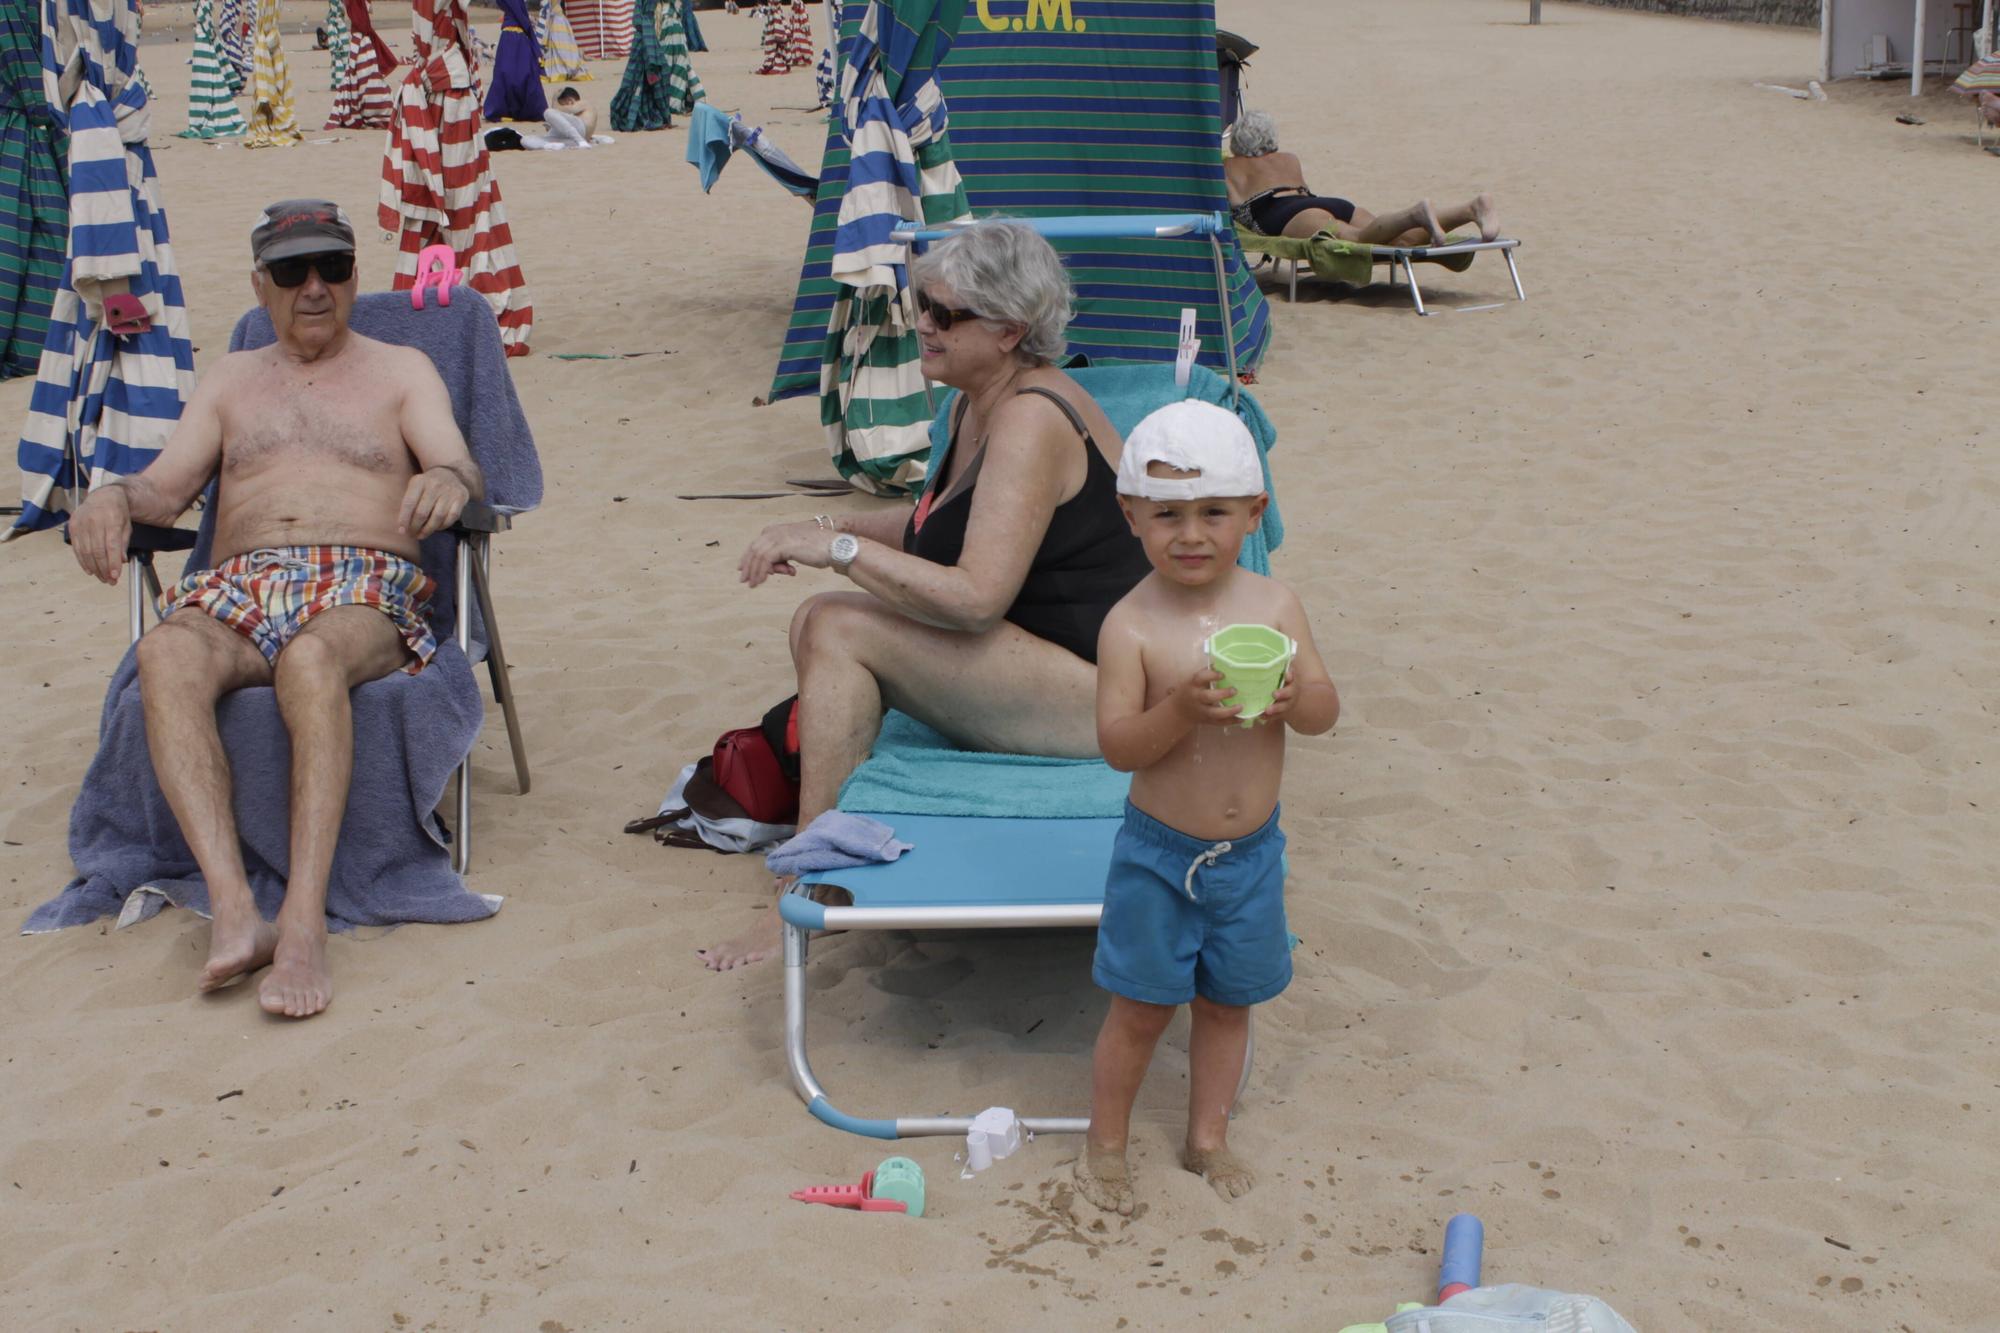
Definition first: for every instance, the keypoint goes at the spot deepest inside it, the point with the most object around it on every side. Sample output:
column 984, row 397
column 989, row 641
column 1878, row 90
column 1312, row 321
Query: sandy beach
column 1645, row 887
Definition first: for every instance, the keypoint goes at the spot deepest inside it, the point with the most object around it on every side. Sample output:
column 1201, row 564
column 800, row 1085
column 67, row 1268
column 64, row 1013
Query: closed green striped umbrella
column 212, row 109
column 873, row 398
column 336, row 40
column 34, row 210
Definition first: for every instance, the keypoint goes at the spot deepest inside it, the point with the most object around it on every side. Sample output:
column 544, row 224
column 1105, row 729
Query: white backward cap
column 1194, row 437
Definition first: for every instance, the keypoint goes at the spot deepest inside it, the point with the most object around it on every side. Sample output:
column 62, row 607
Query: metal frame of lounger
column 1408, row 256
column 1212, row 227
column 474, row 530
column 802, row 916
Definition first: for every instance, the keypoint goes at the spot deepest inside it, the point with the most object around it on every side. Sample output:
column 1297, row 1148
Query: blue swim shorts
column 1186, row 917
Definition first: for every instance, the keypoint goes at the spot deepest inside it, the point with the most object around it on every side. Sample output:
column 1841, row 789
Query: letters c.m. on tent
column 1061, row 108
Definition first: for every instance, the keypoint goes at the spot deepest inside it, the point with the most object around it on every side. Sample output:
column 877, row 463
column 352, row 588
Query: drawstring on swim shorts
column 265, row 557
column 1207, row 858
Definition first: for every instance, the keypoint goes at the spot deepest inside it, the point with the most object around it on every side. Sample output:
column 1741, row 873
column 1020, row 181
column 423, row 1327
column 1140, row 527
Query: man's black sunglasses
column 943, row 316
column 334, row 269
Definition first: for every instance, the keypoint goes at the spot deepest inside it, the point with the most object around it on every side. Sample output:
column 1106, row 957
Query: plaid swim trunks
column 268, row 595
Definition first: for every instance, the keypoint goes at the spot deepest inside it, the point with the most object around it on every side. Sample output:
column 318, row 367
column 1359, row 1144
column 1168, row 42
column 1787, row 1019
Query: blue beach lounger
column 1001, row 841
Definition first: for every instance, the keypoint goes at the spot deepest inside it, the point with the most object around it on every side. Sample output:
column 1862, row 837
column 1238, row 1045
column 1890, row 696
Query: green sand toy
column 896, row 1186
column 1253, row 660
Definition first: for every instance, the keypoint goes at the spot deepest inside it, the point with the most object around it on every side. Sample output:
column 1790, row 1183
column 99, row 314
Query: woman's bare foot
column 300, row 985
column 238, row 945
column 768, row 935
column 1219, row 1167
column 1487, row 215
column 752, row 946
column 1102, row 1177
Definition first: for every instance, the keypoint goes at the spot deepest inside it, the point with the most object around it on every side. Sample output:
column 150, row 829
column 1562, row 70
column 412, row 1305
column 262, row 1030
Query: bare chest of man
column 312, row 460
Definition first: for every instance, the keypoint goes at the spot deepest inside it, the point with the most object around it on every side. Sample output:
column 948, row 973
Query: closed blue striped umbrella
column 103, row 404
column 34, row 213
column 873, row 400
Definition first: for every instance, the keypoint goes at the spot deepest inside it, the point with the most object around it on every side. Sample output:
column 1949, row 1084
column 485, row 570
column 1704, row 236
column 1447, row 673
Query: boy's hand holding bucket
column 1253, row 660
column 1207, row 700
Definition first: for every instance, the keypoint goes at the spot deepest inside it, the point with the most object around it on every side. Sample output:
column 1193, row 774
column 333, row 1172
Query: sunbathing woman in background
column 1269, row 195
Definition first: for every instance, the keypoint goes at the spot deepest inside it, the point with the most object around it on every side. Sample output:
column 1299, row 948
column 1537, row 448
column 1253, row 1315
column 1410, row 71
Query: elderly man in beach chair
column 300, row 658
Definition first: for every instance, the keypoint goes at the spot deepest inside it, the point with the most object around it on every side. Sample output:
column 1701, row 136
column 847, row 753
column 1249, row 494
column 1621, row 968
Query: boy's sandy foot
column 237, row 946
column 300, row 984
column 1430, row 221
column 752, row 946
column 1219, row 1167
column 1487, row 215
column 1103, row 1178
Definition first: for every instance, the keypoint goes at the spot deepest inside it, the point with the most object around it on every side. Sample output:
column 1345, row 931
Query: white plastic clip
column 1190, row 348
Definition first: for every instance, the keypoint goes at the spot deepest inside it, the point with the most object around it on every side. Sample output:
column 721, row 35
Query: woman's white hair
column 1255, row 134
column 1010, row 275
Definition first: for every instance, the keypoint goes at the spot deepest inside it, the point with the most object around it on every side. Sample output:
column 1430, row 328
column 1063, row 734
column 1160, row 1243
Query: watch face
column 845, row 547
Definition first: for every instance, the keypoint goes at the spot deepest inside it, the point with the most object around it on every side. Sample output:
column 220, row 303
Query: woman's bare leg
column 1004, row 690
column 1390, row 228
column 1312, row 221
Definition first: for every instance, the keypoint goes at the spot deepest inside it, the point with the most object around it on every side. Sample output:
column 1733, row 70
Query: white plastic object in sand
column 995, row 1134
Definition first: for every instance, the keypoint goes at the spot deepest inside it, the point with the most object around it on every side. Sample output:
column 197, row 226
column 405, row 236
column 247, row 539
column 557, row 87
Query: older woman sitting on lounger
column 977, row 612
column 1269, row 195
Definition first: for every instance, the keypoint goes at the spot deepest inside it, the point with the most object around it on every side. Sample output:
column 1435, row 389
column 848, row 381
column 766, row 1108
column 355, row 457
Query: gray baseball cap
column 294, row 227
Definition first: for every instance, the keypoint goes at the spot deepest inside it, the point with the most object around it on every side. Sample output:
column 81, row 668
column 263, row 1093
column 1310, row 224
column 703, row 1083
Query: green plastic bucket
column 1253, row 660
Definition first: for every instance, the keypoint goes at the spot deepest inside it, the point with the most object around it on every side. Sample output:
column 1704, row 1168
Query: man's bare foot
column 1219, row 1167
column 752, row 946
column 1487, row 215
column 237, row 946
column 1430, row 220
column 300, row 985
column 1102, row 1177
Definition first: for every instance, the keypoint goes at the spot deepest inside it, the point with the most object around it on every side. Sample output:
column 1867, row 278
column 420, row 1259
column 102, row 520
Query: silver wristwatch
column 841, row 553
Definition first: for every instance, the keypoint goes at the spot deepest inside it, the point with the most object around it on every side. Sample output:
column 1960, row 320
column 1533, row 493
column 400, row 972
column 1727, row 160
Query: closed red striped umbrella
column 603, row 28
column 361, row 80
column 437, row 187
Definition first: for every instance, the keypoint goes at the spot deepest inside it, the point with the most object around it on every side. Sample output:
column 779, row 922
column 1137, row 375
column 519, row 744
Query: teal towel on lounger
column 915, row 771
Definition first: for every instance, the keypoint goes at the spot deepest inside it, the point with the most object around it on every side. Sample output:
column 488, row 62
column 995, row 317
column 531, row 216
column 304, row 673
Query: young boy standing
column 1194, row 901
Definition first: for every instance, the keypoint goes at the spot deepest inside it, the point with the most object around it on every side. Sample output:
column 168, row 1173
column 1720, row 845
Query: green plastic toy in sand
column 900, row 1178
column 1253, row 660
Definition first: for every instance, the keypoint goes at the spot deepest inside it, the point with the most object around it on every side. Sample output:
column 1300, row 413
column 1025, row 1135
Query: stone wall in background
column 1793, row 13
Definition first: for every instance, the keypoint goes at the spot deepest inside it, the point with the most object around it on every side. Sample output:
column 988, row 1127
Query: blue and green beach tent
column 1074, row 107
column 34, row 205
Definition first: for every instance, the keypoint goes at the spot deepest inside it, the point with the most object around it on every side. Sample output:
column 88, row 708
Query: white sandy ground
column 1646, row 887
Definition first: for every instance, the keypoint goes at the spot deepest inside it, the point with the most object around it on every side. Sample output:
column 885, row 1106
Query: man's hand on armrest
column 100, row 529
column 436, row 497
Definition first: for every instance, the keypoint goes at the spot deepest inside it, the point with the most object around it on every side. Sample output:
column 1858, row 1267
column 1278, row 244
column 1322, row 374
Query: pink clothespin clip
column 126, row 315
column 851, row 1196
column 444, row 275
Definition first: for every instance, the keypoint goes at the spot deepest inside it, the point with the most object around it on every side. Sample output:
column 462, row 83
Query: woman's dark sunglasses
column 334, row 269
column 943, row 316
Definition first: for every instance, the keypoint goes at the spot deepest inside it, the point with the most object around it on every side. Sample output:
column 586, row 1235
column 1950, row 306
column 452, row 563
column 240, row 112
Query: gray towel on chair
column 835, row 841
column 410, row 732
